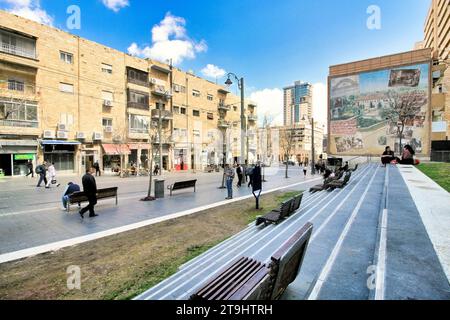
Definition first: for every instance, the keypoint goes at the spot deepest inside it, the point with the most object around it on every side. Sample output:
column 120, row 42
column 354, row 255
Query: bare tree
column 403, row 108
column 287, row 140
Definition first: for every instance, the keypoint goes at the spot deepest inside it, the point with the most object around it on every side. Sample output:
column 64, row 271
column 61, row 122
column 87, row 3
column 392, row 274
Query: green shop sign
column 29, row 156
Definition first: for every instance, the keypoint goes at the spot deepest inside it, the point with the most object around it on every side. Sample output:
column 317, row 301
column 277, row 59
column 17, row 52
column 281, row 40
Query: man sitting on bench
column 70, row 189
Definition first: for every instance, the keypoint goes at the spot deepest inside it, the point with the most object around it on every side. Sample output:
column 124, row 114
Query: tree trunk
column 287, row 168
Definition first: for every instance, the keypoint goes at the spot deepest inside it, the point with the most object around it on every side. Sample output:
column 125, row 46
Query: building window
column 196, row 93
column 66, row 57
column 107, row 97
column 66, row 119
column 196, row 133
column 17, row 45
column 138, row 99
column 20, row 113
column 235, row 108
column 139, row 124
column 210, row 116
column 183, row 110
column 66, row 87
column 106, row 68
column 16, row 85
column 210, row 97
column 161, row 106
column 196, row 113
column 176, row 110
column 106, row 122
column 137, row 77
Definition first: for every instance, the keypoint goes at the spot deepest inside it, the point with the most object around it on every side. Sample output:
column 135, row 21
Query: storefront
column 140, row 154
column 14, row 156
column 61, row 153
column 115, row 156
column 180, row 159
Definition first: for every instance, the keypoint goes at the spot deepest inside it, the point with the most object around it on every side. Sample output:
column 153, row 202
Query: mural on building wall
column 372, row 110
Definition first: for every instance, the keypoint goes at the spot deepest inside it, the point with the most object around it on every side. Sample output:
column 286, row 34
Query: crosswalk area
column 368, row 242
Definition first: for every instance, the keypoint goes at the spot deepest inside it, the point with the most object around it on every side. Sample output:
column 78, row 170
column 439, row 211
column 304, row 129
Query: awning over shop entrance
column 60, row 142
column 142, row 146
column 116, row 149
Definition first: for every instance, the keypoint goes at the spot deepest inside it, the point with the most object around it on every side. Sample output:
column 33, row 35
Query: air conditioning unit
column 176, row 88
column 108, row 129
column 81, row 135
column 49, row 134
column 62, row 127
column 107, row 103
column 97, row 136
column 62, row 135
column 153, row 81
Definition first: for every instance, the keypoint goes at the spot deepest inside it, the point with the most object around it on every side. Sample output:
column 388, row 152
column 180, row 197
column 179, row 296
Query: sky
column 269, row 43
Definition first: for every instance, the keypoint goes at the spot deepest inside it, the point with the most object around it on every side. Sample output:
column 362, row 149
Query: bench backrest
column 107, row 193
column 287, row 261
column 184, row 184
column 297, row 202
column 286, row 208
column 79, row 196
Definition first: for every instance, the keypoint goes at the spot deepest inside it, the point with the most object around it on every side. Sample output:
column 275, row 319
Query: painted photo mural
column 372, row 110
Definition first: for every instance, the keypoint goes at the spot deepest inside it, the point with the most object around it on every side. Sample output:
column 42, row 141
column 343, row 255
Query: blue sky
column 270, row 43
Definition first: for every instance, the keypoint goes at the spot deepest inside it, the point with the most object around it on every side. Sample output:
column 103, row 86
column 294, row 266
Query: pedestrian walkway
column 35, row 224
column 368, row 242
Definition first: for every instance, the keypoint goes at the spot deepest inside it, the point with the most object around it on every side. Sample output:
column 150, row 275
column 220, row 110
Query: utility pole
column 243, row 124
column 160, row 137
column 313, row 170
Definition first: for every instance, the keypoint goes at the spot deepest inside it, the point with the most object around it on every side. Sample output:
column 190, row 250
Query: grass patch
column 122, row 266
column 439, row 172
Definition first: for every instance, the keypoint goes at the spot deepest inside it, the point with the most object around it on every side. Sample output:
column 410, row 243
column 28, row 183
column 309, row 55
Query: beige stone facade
column 74, row 102
column 437, row 37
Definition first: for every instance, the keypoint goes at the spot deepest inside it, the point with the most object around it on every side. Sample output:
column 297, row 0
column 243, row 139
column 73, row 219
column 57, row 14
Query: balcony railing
column 137, row 105
column 18, row 51
column 19, row 124
column 222, row 106
column 139, row 82
column 252, row 117
column 223, row 124
column 165, row 114
column 17, row 88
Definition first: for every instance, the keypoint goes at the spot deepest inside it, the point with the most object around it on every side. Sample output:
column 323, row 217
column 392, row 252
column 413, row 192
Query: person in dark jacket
column 71, row 189
column 41, row 170
column 90, row 189
column 97, row 169
column 30, row 168
column 256, row 178
column 240, row 174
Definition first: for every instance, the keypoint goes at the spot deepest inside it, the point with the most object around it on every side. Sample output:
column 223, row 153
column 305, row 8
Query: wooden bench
column 340, row 183
column 326, row 182
column 80, row 197
column 286, row 209
column 182, row 185
column 248, row 279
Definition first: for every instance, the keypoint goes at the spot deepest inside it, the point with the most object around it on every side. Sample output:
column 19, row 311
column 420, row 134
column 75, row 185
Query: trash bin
column 159, row 189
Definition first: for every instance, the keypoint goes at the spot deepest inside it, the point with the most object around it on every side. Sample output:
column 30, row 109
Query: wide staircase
column 368, row 242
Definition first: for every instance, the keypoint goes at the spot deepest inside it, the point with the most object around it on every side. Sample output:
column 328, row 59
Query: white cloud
column 169, row 41
column 320, row 104
column 270, row 105
column 212, row 71
column 116, row 5
column 30, row 9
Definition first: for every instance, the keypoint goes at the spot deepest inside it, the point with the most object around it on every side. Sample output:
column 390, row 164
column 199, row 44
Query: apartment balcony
column 19, row 124
column 160, row 91
column 18, row 90
column 137, row 105
column 223, row 107
column 139, row 82
column 17, row 51
column 222, row 124
column 252, row 117
column 165, row 115
column 165, row 141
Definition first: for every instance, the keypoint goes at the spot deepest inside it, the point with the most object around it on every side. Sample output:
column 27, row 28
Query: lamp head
column 228, row 82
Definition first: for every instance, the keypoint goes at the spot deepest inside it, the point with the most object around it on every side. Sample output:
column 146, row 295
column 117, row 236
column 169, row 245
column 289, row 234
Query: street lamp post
column 240, row 83
column 313, row 161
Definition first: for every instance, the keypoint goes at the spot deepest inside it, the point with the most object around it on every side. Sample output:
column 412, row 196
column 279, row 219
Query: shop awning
column 142, row 146
column 60, row 142
column 116, row 149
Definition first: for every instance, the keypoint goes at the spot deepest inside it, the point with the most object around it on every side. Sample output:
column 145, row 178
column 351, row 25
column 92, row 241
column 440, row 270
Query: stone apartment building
column 72, row 101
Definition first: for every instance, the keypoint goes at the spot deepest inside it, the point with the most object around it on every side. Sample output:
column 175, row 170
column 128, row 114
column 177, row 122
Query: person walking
column 90, row 189
column 97, row 169
column 70, row 189
column 305, row 170
column 30, row 169
column 249, row 173
column 41, row 170
column 240, row 173
column 229, row 175
column 51, row 176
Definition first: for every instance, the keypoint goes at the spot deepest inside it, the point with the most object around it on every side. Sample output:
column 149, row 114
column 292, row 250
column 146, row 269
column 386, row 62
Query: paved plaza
column 31, row 217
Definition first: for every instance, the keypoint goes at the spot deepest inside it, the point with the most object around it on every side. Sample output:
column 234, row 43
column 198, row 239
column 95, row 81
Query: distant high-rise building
column 297, row 102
